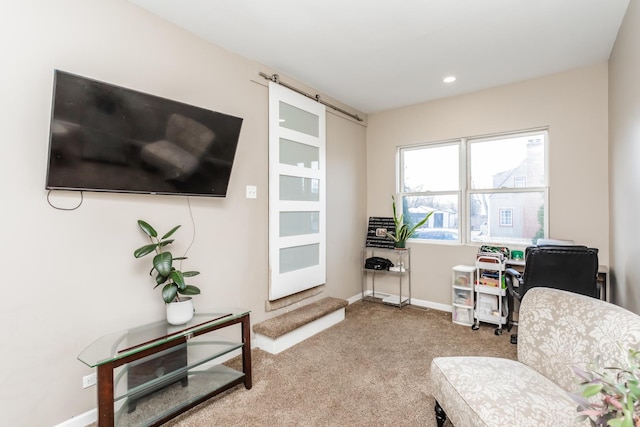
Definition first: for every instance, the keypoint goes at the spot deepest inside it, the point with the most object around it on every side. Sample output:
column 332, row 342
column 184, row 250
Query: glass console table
column 151, row 373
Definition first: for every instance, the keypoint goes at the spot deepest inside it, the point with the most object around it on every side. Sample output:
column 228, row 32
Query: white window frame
column 465, row 190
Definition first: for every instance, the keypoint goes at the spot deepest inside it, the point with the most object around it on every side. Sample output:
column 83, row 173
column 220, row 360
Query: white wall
column 572, row 104
column 70, row 277
column 624, row 134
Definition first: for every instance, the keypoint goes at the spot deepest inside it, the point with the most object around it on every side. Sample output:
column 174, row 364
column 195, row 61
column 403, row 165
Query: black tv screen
column 109, row 138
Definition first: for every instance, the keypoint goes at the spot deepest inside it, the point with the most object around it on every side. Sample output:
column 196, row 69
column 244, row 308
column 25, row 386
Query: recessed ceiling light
column 449, row 79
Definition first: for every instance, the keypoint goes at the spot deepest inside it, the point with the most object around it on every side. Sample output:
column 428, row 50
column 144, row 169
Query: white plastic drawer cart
column 462, row 294
column 491, row 304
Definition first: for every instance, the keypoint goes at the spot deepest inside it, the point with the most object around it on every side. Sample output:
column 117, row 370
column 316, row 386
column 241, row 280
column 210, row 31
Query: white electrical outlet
column 252, row 192
column 88, row 380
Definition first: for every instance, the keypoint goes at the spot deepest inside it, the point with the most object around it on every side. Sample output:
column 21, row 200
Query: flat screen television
column 110, row 138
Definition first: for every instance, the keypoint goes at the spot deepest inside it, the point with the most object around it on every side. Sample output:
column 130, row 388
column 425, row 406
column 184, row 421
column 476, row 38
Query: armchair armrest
column 513, row 278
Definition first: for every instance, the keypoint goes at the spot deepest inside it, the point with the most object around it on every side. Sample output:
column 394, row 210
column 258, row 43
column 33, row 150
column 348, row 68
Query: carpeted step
column 281, row 332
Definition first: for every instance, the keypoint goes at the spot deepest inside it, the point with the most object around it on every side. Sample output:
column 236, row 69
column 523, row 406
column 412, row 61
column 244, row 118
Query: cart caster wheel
column 498, row 332
column 475, row 327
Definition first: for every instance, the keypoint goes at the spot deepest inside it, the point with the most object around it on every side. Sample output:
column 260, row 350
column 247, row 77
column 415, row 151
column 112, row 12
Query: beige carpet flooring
column 372, row 369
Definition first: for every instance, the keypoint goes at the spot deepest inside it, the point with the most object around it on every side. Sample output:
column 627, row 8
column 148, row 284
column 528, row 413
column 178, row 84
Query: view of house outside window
column 480, row 190
column 506, row 217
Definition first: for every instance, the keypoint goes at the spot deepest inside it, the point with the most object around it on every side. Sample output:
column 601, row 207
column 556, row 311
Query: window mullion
column 463, row 195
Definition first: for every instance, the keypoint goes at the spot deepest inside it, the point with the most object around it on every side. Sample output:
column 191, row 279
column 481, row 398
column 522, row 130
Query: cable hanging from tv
column 65, row 209
column 276, row 79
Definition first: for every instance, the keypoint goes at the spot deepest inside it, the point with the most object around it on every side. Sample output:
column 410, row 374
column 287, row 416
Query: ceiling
column 375, row 55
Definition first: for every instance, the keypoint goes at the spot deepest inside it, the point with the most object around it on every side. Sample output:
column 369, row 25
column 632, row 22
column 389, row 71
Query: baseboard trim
column 82, row 420
column 430, row 304
column 354, row 298
column 414, row 301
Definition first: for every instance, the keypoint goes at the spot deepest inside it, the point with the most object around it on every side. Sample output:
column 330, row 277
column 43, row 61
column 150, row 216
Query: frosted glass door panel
column 297, row 193
column 299, row 257
column 299, row 120
column 299, row 189
column 297, row 154
column 299, row 223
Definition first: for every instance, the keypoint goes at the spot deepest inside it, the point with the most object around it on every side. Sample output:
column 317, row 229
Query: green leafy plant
column 163, row 265
column 610, row 396
column 404, row 230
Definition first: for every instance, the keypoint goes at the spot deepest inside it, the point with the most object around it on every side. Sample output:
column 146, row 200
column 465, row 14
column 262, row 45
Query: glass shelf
column 197, row 354
column 156, row 406
column 120, row 344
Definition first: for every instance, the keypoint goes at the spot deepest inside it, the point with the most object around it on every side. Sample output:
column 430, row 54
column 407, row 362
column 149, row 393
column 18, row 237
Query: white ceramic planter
column 179, row 313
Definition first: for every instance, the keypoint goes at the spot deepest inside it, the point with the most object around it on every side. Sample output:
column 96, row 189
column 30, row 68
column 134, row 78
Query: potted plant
column 610, row 396
column 404, row 230
column 179, row 310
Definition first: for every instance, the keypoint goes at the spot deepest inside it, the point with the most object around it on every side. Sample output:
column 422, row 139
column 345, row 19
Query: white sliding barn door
column 297, row 196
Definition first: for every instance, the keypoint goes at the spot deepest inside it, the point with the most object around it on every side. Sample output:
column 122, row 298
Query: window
column 482, row 190
column 520, row 181
column 506, row 217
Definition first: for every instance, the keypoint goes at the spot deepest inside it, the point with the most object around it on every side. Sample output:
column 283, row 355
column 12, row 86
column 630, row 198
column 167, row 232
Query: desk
column 603, row 276
column 191, row 381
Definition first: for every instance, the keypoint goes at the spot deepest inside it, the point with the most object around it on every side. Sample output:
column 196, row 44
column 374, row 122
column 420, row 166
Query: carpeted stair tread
column 287, row 322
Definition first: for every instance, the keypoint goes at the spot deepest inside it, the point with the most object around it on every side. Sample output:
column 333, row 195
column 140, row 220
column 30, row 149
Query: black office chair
column 570, row 268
